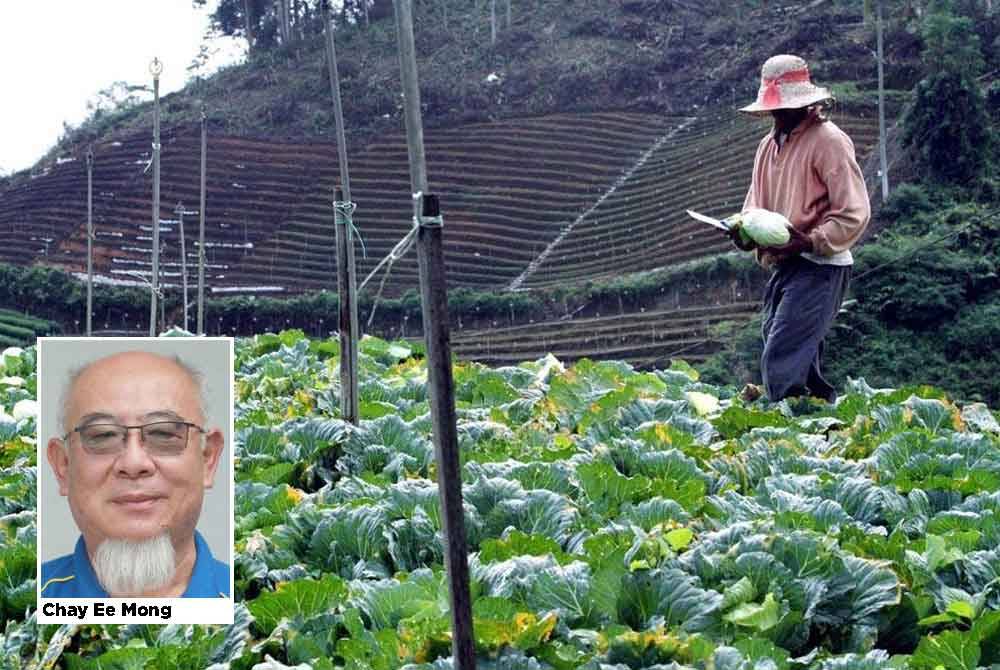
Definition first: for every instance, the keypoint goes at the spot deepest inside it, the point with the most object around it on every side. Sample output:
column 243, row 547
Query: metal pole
column 184, row 268
column 441, row 384
column 201, row 227
column 883, row 161
column 90, row 236
column 155, row 68
column 346, row 267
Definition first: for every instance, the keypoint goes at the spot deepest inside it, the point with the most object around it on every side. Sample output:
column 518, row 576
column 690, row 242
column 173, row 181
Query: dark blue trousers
column 800, row 303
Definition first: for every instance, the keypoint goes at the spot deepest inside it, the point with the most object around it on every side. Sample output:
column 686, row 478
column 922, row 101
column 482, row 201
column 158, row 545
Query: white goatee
column 129, row 567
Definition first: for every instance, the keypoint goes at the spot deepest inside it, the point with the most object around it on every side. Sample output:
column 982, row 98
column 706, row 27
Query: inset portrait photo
column 135, row 480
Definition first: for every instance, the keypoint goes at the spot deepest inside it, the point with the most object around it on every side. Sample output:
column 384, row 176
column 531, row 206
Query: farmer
column 134, row 461
column 804, row 169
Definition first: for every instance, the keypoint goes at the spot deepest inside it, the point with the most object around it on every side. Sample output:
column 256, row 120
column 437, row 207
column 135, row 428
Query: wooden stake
column 156, row 68
column 883, row 162
column 346, row 267
column 184, row 268
column 201, row 227
column 441, row 384
column 349, row 403
column 90, row 236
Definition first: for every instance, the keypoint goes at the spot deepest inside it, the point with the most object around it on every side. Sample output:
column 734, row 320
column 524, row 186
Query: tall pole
column 493, row 21
column 883, row 161
column 155, row 68
column 441, row 383
column 346, row 273
column 201, row 227
column 184, row 268
column 90, row 236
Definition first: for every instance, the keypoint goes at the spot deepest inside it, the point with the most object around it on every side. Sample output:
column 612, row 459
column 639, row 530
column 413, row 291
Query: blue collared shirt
column 72, row 576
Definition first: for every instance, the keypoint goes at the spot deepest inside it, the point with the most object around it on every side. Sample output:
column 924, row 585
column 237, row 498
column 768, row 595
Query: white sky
column 55, row 55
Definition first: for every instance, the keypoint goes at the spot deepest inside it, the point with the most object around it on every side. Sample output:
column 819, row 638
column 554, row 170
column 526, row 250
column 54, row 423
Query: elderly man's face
column 134, row 494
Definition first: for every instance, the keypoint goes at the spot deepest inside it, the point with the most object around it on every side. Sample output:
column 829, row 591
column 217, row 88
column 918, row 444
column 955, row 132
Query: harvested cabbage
column 24, row 409
column 766, row 228
column 703, row 403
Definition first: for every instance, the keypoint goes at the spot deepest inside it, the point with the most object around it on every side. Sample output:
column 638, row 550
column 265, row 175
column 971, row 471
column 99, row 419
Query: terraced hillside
column 251, row 186
column 640, row 223
column 527, row 202
column 645, row 339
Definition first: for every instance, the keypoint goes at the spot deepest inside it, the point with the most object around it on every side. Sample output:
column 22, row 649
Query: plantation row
column 643, row 338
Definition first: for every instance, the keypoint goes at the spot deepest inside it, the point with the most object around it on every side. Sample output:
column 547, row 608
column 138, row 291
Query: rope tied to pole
column 343, row 213
column 398, row 251
column 156, row 150
column 429, row 221
column 420, row 220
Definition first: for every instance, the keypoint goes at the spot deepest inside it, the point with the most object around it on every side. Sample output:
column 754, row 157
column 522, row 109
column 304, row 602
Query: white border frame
column 182, row 610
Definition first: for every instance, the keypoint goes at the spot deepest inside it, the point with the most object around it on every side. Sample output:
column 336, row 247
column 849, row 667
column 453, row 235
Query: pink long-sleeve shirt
column 815, row 181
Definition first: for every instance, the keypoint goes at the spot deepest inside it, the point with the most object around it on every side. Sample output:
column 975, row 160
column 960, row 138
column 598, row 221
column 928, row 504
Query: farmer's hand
column 737, row 239
column 798, row 243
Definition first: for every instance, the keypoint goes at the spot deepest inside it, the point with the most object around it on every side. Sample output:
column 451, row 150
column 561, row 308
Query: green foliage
column 815, row 534
column 948, row 124
column 949, row 128
column 950, row 41
column 739, row 358
column 926, row 301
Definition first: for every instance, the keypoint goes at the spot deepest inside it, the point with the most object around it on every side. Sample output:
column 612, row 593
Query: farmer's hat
column 784, row 84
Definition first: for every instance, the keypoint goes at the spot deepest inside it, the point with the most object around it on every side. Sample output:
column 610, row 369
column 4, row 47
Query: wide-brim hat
column 785, row 84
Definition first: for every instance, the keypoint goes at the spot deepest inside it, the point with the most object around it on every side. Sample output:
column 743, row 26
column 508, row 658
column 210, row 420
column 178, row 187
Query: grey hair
column 196, row 376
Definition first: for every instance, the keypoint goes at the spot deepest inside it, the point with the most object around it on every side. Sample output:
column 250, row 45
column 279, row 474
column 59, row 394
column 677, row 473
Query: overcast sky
column 56, row 55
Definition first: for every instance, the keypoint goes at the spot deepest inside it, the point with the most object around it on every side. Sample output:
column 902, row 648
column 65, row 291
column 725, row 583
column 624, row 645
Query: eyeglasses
column 161, row 438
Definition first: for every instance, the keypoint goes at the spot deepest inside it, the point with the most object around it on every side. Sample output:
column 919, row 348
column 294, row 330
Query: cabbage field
column 617, row 520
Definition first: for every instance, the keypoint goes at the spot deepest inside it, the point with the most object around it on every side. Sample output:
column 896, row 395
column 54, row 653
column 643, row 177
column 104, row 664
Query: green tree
column 266, row 24
column 948, row 124
column 950, row 42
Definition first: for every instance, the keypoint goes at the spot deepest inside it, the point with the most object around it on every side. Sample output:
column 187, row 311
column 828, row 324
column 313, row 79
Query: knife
column 721, row 225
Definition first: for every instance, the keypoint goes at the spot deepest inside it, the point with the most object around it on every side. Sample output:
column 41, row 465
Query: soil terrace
column 529, row 202
column 645, row 339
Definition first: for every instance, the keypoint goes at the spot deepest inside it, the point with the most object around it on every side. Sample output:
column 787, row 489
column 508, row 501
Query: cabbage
column 24, row 409
column 766, row 228
column 703, row 403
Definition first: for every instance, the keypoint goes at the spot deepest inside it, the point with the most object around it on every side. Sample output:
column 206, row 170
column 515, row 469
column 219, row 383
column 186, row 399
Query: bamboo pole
column 883, row 161
column 90, row 237
column 346, row 267
column 201, row 227
column 156, row 68
column 441, row 384
column 184, row 268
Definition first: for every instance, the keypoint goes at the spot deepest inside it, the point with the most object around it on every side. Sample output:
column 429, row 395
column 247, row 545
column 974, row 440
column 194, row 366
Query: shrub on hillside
column 907, row 202
column 949, row 128
column 738, row 362
column 924, row 290
column 976, row 331
column 948, row 125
